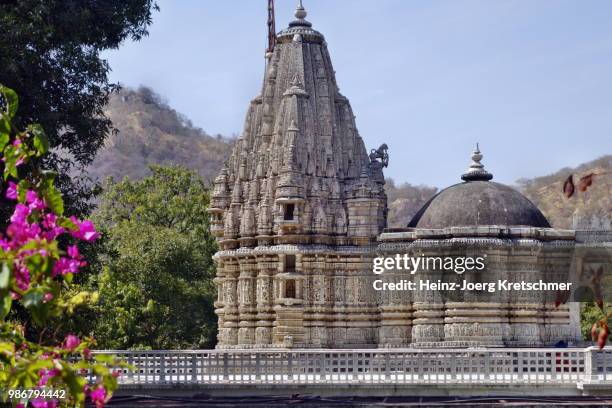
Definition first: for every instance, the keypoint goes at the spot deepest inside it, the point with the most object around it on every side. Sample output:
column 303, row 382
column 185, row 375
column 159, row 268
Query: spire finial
column 300, row 15
column 300, row 11
column 476, row 171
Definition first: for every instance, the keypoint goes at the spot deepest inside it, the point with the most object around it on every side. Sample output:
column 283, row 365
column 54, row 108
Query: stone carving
column 380, row 153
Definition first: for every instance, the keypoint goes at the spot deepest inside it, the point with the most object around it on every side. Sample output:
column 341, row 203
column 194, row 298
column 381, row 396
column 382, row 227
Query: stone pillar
column 246, row 300
column 556, row 261
column 230, row 298
column 318, row 304
column 526, row 309
column 476, row 317
column 219, row 305
column 396, row 311
column 360, row 309
column 265, row 297
column 429, row 311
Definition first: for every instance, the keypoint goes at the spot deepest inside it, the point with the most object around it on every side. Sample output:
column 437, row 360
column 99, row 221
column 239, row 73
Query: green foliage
column 156, row 287
column 589, row 314
column 50, row 54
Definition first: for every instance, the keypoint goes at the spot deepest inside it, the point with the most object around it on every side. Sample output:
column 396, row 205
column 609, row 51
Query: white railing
column 502, row 366
column 598, row 366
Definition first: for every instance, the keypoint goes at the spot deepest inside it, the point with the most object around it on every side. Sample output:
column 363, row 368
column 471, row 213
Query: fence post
column 225, row 369
column 589, row 365
column 194, row 368
column 323, row 373
column 387, row 363
column 257, row 366
column 162, row 367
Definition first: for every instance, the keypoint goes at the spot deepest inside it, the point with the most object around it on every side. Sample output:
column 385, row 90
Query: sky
column 531, row 81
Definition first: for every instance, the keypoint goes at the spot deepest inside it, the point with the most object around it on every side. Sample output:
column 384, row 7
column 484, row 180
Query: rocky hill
column 590, row 209
column 151, row 132
column 404, row 201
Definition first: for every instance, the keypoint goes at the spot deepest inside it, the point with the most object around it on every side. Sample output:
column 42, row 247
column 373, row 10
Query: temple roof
column 478, row 201
column 301, row 27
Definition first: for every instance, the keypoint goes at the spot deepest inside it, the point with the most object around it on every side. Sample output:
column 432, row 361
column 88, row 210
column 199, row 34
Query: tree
column 50, row 54
column 156, row 287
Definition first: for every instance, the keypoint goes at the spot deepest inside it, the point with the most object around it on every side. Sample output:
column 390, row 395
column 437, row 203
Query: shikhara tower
column 297, row 209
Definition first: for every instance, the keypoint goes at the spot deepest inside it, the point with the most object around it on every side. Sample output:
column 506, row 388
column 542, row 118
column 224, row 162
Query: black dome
column 478, row 202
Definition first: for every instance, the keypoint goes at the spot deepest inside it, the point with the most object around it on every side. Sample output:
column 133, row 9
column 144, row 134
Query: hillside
column 151, row 132
column 404, row 201
column 584, row 210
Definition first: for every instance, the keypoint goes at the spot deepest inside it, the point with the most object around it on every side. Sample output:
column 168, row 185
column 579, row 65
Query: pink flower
column 49, row 221
column 71, row 342
column 52, row 229
column 85, row 230
column 45, row 375
column 73, row 252
column 65, row 265
column 34, row 202
column 47, row 297
column 42, row 403
column 98, row 396
column 22, row 276
column 20, row 214
column 11, row 191
column 31, row 196
column 22, row 233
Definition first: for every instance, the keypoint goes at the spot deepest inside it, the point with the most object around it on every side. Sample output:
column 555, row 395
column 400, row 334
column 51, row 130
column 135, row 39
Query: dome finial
column 300, row 11
column 476, row 171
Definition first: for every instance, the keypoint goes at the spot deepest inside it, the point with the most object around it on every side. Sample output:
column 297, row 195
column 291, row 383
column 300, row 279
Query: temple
column 299, row 213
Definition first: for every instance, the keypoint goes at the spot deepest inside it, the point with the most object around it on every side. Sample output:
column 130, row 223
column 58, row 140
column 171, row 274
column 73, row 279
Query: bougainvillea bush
column 39, row 257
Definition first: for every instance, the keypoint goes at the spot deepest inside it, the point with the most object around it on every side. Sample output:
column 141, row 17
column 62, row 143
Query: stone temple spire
column 299, row 195
column 298, row 134
column 476, row 171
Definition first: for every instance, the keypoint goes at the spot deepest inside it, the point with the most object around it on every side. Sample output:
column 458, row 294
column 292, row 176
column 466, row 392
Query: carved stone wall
column 480, row 318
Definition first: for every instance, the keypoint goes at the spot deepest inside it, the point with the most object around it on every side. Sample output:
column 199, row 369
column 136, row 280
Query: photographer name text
column 497, row 286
